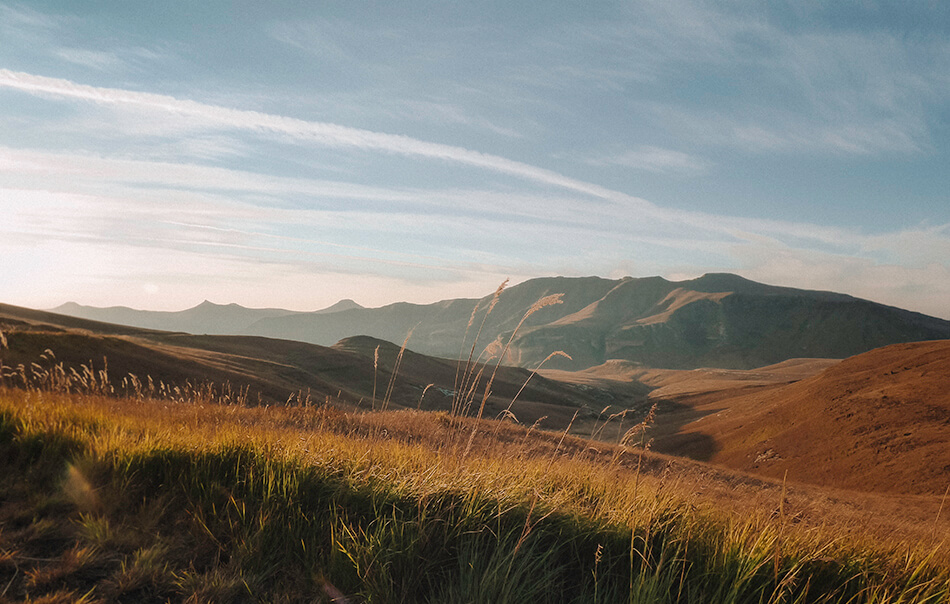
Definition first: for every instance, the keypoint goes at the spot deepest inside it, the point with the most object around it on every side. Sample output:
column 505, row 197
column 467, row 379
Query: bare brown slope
column 667, row 383
column 879, row 421
column 626, row 380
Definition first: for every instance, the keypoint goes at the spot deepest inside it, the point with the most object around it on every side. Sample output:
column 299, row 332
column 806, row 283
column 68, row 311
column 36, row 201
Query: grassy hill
column 355, row 373
column 107, row 499
column 120, row 488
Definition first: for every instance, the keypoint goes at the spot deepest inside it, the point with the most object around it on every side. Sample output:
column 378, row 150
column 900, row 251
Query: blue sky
column 156, row 154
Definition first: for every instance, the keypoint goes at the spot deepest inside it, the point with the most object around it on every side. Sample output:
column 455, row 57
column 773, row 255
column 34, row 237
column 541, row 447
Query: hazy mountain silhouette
column 206, row 318
column 717, row 320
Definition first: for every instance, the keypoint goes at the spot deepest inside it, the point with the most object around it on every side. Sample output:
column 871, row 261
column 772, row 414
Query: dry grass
column 533, row 481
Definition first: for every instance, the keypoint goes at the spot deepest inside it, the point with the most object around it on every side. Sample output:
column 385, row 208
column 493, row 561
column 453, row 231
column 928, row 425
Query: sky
column 291, row 154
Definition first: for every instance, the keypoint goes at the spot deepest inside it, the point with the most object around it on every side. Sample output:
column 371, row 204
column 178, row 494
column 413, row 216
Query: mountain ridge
column 716, row 320
column 205, row 318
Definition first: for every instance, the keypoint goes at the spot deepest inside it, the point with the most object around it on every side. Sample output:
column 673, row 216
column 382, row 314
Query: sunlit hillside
column 150, row 499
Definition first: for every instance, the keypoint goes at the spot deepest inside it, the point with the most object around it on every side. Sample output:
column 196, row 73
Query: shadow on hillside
column 668, row 435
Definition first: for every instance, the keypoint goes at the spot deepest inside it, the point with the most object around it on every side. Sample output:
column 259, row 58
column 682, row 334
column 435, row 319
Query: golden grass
column 416, row 455
column 419, row 452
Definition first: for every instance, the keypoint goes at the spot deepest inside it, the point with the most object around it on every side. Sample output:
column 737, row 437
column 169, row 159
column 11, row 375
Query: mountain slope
column 879, row 421
column 717, row 320
column 722, row 321
column 438, row 329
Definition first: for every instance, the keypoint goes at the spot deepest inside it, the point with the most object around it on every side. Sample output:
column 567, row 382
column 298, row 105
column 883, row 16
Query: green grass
column 135, row 500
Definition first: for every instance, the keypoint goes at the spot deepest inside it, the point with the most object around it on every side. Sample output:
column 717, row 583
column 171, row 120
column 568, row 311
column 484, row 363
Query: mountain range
column 718, row 320
column 206, row 318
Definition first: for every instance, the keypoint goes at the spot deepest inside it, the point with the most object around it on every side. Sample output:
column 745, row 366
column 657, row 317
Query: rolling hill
column 879, row 421
column 717, row 320
column 271, row 371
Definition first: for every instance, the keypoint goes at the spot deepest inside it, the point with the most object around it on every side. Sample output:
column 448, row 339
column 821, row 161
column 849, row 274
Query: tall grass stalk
column 460, row 386
column 375, row 373
column 550, row 300
column 392, row 379
column 556, row 353
column 933, row 531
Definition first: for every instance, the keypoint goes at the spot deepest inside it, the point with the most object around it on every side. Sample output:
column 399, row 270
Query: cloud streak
column 118, row 177
column 324, row 133
column 617, row 204
column 654, row 159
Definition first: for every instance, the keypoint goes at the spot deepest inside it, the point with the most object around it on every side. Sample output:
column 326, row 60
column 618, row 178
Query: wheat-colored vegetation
column 117, row 499
column 163, row 495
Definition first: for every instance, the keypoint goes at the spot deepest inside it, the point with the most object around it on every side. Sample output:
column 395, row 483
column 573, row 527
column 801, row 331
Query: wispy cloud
column 736, row 76
column 316, row 38
column 136, row 179
column 654, row 159
column 228, row 213
column 91, row 58
column 333, row 135
column 39, row 216
column 100, row 175
column 74, row 40
column 78, row 168
column 19, row 20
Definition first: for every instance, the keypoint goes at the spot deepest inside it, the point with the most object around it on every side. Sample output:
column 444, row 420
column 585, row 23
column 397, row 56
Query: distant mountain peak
column 210, row 304
column 345, row 304
column 723, row 280
column 67, row 306
column 72, row 308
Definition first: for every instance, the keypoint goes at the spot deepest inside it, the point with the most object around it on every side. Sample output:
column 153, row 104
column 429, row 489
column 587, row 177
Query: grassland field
column 110, row 499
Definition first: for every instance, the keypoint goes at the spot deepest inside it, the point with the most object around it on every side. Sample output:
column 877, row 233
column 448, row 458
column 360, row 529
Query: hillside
column 108, row 499
column 878, row 421
column 182, row 498
column 717, row 320
column 271, row 371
